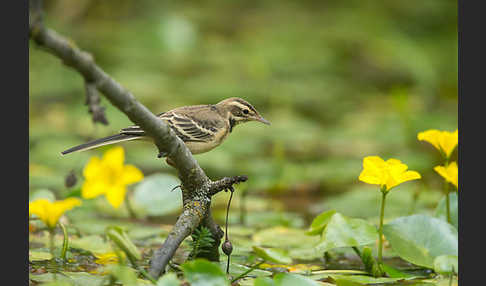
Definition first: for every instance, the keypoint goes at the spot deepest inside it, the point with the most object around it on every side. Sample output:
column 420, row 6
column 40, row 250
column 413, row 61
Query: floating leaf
column 320, row 222
column 92, row 243
column 342, row 231
column 168, row 279
column 154, row 196
column 284, row 237
column 237, row 269
column 446, row 264
column 200, row 272
column 121, row 239
column 73, row 278
column 441, row 211
column 39, row 255
column 274, row 255
column 363, row 280
column 419, row 239
column 264, row 281
column 288, row 279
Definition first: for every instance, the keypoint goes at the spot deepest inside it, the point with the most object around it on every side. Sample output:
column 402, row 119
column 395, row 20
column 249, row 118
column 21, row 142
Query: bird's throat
column 232, row 123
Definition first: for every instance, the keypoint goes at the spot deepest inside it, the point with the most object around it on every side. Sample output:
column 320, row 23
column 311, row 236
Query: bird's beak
column 263, row 120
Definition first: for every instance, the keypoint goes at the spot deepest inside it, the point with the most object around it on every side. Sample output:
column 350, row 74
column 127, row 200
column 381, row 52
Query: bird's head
column 239, row 111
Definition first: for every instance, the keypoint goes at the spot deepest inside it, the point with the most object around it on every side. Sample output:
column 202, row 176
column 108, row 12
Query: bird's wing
column 189, row 129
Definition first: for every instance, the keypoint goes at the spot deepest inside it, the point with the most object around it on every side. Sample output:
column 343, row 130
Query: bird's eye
column 245, row 111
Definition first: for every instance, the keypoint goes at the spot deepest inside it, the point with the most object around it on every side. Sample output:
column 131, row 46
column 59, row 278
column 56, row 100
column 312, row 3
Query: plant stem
column 380, row 229
column 65, row 243
column 246, row 272
column 446, row 188
column 129, row 207
column 448, row 208
column 357, row 251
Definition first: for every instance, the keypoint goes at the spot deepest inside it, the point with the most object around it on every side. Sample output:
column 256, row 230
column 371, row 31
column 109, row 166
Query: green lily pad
column 92, row 243
column 42, row 194
column 419, row 239
column 284, row 237
column 154, row 196
column 263, row 281
column 364, row 280
column 320, row 222
column 441, row 210
column 168, row 279
column 39, row 255
column 200, row 272
column 74, row 278
column 446, row 264
column 274, row 255
column 289, row 279
column 342, row 231
column 236, row 269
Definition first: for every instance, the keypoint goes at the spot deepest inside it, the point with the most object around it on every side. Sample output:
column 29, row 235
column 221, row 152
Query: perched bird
column 201, row 127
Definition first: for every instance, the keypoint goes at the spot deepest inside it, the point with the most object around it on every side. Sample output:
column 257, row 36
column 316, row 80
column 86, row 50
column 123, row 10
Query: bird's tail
column 101, row 142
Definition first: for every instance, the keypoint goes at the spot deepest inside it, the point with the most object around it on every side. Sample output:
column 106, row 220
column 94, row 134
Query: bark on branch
column 197, row 188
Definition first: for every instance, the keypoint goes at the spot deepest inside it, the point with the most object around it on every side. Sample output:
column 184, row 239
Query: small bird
column 201, row 127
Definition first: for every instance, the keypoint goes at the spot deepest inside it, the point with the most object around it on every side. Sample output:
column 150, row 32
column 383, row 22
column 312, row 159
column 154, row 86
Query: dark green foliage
column 371, row 266
column 201, row 243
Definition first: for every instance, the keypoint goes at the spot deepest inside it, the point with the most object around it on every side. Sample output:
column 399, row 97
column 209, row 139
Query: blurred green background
column 339, row 80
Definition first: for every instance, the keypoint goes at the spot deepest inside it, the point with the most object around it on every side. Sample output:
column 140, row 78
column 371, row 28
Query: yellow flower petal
column 387, row 174
column 93, row 188
column 115, row 195
column 448, row 141
column 109, row 176
column 93, row 168
column 443, row 141
column 114, row 158
column 49, row 212
column 431, row 136
column 131, row 174
column 449, row 173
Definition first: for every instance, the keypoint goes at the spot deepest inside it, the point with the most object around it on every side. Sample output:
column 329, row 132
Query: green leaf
column 39, row 255
column 284, row 237
column 441, row 211
column 154, row 196
column 362, row 279
column 342, row 231
column 200, row 272
column 446, row 264
column 92, row 243
column 73, row 278
column 121, row 239
column 264, row 281
column 274, row 255
column 236, row 269
column 123, row 274
column 371, row 266
column 42, row 194
column 419, row 239
column 288, row 279
column 320, row 222
column 168, row 279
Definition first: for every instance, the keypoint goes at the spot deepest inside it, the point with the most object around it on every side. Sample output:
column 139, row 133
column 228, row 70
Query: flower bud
column 70, row 180
column 227, row 247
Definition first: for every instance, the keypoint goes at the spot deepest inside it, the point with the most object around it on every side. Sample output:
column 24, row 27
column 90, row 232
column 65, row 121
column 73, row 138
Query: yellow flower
column 50, row 212
column 106, row 258
column 449, row 173
column 109, row 176
column 443, row 141
column 387, row 174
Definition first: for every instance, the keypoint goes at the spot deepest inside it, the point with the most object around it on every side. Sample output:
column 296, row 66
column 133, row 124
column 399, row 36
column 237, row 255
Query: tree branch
column 197, row 188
